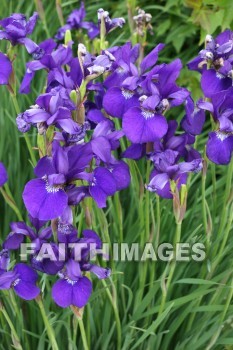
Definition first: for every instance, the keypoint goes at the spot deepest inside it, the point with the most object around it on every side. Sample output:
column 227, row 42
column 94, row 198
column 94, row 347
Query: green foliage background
column 198, row 309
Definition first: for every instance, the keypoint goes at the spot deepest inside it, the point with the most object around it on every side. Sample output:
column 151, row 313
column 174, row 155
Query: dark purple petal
column 82, row 290
column 6, row 279
column 213, row 82
column 117, row 101
column 135, row 151
column 62, row 293
column 3, row 175
column 101, row 148
column 26, row 273
column 6, row 69
column 13, row 241
column 43, row 201
column 121, row 174
column 44, row 167
column 26, row 290
column 151, row 59
column 32, row 22
column 219, row 147
column 143, row 126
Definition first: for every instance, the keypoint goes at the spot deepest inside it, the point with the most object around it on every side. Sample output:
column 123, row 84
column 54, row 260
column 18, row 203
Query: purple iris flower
column 118, row 100
column 166, row 168
column 74, row 288
column 4, row 260
column 19, row 230
column 16, row 28
column 220, row 143
column 6, row 69
column 124, row 64
column 3, row 174
column 45, row 198
column 110, row 24
column 144, row 124
column 22, row 279
column 173, row 158
column 76, row 21
column 194, row 119
column 215, row 63
column 51, row 59
column 52, row 108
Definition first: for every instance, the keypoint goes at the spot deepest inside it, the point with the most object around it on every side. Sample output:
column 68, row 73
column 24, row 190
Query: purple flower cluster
column 91, row 101
column 16, row 28
column 215, row 63
column 76, row 21
column 140, row 96
column 73, row 287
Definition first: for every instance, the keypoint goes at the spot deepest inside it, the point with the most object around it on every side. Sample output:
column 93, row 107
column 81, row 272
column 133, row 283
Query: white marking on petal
column 70, row 281
column 221, row 136
column 219, row 75
column 127, row 94
column 16, row 282
column 147, row 114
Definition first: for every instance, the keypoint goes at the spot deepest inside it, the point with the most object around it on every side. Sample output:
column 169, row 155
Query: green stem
column 48, row 326
column 203, row 201
column 83, row 334
column 112, row 300
column 158, row 220
column 14, row 335
column 226, row 197
column 172, row 269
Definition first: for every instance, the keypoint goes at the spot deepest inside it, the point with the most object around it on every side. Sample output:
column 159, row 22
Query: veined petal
column 82, row 290
column 62, row 293
column 143, row 125
column 219, row 147
column 6, row 69
column 43, row 201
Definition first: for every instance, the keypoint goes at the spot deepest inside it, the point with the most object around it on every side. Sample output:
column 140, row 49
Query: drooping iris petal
column 62, row 293
column 26, row 290
column 81, row 292
column 219, row 147
column 117, row 101
column 213, row 82
column 43, row 201
column 3, row 175
column 101, row 148
column 135, row 151
column 143, row 125
column 99, row 271
column 6, row 279
column 27, row 274
column 6, row 69
column 121, row 174
column 103, row 185
column 13, row 241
